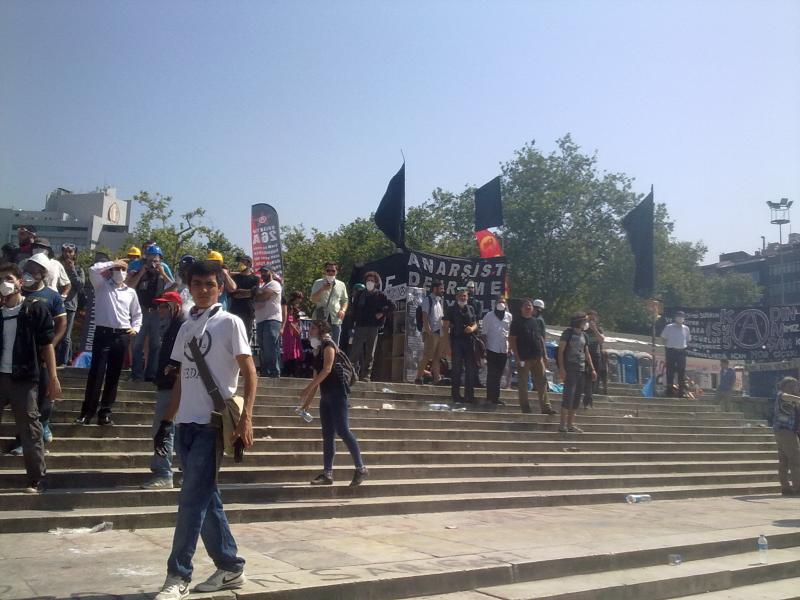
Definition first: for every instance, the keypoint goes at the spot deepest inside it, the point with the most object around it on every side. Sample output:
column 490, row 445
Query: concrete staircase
column 419, row 460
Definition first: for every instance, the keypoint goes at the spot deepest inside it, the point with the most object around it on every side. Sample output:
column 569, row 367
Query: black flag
column 391, row 214
column 638, row 225
column 488, row 207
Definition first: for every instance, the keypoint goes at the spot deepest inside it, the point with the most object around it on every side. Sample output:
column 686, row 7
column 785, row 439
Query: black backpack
column 344, row 369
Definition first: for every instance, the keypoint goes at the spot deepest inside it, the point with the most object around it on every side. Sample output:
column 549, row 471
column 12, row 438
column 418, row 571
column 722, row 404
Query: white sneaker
column 222, row 580
column 174, row 588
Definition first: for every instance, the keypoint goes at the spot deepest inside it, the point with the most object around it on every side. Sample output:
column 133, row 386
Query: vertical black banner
column 266, row 235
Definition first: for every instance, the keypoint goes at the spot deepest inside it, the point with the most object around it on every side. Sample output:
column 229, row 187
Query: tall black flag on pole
column 391, row 214
column 488, row 205
column 638, row 225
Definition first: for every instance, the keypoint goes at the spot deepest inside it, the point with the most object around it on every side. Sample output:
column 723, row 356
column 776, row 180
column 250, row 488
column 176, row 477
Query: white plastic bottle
column 637, row 498
column 763, row 547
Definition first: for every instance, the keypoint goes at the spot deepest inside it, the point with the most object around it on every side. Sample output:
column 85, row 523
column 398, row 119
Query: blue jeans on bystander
column 161, row 466
column 268, row 336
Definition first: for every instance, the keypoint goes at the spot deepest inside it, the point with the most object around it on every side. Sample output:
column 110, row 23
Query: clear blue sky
column 306, row 105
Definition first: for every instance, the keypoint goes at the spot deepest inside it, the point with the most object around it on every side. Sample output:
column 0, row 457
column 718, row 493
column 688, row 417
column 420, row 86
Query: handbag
column 227, row 411
column 478, row 349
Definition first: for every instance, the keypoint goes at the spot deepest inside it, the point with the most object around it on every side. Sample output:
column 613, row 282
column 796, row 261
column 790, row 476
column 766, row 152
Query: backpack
column 420, row 322
column 343, row 368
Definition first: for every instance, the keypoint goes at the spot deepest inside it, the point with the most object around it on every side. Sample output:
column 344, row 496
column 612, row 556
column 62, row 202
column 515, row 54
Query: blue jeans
column 161, row 466
column 336, row 333
column 200, row 511
column 268, row 336
column 333, row 418
column 64, row 350
column 151, row 329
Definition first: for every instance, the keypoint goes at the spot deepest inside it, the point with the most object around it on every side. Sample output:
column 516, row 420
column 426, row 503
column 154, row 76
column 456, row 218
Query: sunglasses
column 68, row 246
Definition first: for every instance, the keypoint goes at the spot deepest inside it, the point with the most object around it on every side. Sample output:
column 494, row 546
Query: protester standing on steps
column 34, row 275
column 495, row 327
column 117, row 318
column 476, row 306
column 595, row 339
column 333, row 392
column 786, row 425
column 432, row 315
column 170, row 310
column 56, row 278
column 150, row 280
column 229, row 285
column 459, row 326
column 369, row 310
column 226, row 350
column 269, row 321
column 291, row 339
column 676, row 338
column 727, row 379
column 527, row 339
column 575, row 368
column 242, row 299
column 77, row 281
column 26, row 343
column 330, row 298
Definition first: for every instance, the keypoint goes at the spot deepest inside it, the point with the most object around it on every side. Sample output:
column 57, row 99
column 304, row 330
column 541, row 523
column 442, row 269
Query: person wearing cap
column 269, row 322
column 150, row 280
column 575, row 368
column 32, row 286
column 241, row 302
column 135, row 259
column 170, row 310
column 527, row 341
column 676, row 337
column 117, row 317
column 56, row 278
column 77, row 281
column 133, row 255
column 228, row 284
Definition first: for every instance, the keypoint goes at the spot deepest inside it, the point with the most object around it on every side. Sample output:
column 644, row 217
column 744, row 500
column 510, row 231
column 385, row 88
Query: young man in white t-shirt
column 269, row 323
column 224, row 344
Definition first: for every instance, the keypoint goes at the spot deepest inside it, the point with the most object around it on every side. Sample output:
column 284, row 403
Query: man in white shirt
column 269, row 323
column 117, row 317
column 432, row 315
column 224, row 343
column 330, row 297
column 676, row 338
column 495, row 327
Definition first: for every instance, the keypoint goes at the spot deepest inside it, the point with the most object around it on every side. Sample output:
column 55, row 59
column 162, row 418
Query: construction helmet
column 214, row 255
column 134, row 251
column 154, row 249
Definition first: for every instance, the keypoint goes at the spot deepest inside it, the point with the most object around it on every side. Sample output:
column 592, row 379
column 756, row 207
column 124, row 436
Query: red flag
column 488, row 244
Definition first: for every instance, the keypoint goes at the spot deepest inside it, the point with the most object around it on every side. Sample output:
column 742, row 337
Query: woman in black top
column 332, row 405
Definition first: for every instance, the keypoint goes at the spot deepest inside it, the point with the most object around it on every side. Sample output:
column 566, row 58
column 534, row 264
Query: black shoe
column 35, row 487
column 479, row 386
column 322, row 479
column 418, row 381
column 549, row 411
column 358, row 477
column 83, row 421
column 499, row 403
column 105, row 420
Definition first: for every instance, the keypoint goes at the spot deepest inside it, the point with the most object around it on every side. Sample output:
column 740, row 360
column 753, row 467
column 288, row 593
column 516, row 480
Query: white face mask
column 118, row 276
column 500, row 306
column 315, row 342
column 28, row 280
column 330, row 278
column 462, row 303
column 679, row 320
column 370, row 285
column 585, row 326
column 39, row 250
column 7, row 288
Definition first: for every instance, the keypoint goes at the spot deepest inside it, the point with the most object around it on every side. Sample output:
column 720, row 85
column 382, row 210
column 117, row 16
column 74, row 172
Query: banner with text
column 266, row 235
column 420, row 269
column 759, row 333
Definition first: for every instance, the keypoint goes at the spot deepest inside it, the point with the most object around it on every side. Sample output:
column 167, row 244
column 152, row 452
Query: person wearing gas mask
column 459, row 325
column 369, row 309
column 575, row 368
column 117, row 317
column 150, row 281
column 495, row 326
column 241, row 301
column 676, row 338
column 34, row 275
column 26, row 342
column 269, row 323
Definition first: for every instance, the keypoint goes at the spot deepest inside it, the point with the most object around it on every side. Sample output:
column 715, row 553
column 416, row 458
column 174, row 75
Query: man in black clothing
column 527, row 341
column 461, row 323
column 476, row 306
column 594, row 338
column 370, row 308
column 242, row 303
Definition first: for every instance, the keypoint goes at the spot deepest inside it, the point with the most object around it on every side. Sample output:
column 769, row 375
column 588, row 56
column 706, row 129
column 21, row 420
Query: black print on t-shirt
column 205, row 347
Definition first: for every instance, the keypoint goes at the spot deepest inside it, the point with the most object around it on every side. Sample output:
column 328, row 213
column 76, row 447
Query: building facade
column 87, row 220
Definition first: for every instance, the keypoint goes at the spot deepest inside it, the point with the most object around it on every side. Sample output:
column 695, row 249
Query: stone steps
column 349, row 502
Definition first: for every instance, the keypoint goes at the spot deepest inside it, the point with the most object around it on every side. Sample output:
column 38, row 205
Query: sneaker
column 157, row 483
column 174, row 588
column 83, row 421
column 562, row 429
column 47, row 435
column 222, row 580
column 15, row 451
column 322, row 479
column 575, row 429
column 359, row 476
column 499, row 403
column 105, row 420
column 548, row 410
column 35, row 487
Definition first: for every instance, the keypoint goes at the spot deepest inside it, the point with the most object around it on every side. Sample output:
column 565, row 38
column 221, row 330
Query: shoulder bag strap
column 205, row 375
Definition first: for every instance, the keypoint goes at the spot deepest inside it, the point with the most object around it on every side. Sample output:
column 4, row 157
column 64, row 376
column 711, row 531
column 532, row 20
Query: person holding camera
column 150, row 281
column 330, row 298
column 223, row 343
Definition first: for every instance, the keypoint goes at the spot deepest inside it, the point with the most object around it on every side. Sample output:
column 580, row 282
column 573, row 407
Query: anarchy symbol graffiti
column 750, row 329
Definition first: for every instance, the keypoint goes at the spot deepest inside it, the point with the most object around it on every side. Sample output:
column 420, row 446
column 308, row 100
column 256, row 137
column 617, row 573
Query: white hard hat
column 538, row 303
column 41, row 260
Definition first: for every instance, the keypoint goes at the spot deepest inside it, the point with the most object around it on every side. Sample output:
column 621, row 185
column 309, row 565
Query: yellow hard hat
column 214, row 255
column 134, row 251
